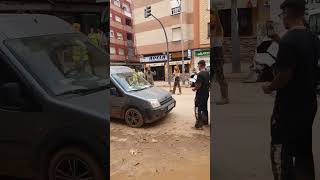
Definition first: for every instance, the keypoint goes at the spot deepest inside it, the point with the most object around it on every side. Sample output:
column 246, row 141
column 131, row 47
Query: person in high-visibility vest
column 94, row 37
column 80, row 55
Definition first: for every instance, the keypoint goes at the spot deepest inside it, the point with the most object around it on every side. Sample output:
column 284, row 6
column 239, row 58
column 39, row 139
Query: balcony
column 128, row 14
column 117, row 41
column 117, row 58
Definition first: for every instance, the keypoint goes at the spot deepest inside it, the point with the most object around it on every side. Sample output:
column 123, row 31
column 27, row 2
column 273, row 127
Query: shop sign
column 172, row 63
column 158, row 58
column 155, row 64
column 204, row 52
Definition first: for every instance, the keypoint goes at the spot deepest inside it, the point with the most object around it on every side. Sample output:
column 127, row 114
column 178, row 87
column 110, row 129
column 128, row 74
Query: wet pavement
column 242, row 135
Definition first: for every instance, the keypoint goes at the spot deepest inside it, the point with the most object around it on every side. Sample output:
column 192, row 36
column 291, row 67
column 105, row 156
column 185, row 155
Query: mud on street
column 168, row 149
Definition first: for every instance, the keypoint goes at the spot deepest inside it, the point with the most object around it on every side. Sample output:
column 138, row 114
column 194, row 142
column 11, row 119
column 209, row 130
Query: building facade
column 249, row 14
column 202, row 32
column 150, row 39
column 122, row 40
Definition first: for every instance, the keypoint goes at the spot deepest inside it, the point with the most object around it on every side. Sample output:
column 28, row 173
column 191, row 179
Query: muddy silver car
column 135, row 100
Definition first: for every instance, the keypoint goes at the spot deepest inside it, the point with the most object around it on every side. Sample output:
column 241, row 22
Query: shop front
column 158, row 64
column 201, row 54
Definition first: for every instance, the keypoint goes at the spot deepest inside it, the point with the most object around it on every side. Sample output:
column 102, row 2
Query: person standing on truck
column 149, row 76
column 202, row 87
column 94, row 37
column 80, row 55
column 295, row 105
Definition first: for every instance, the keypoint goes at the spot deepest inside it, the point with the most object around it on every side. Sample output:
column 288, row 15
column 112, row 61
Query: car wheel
column 134, row 118
column 74, row 164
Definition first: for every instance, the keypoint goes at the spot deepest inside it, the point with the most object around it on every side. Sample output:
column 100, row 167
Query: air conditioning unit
column 175, row 11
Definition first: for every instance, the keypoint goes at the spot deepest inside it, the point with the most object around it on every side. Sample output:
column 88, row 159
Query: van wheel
column 134, row 118
column 74, row 164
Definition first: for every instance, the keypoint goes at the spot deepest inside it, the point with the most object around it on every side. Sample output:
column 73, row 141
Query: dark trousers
column 287, row 165
column 291, row 146
column 176, row 83
column 203, row 115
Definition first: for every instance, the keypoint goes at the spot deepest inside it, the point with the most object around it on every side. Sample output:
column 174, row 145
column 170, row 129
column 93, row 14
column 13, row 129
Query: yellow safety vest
column 94, row 39
column 80, row 53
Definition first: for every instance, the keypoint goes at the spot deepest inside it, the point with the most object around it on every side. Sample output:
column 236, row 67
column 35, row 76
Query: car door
column 19, row 127
column 117, row 100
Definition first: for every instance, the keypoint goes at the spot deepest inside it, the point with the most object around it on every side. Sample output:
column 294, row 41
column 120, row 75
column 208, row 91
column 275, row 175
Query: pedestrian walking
column 295, row 105
column 202, row 95
column 177, row 79
column 218, row 34
column 149, row 76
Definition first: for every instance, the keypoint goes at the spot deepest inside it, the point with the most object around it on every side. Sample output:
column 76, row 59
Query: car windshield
column 131, row 81
column 64, row 63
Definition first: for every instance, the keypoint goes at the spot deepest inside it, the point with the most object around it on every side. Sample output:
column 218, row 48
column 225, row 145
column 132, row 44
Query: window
column 117, row 3
column 129, row 36
column 176, row 34
column 315, row 23
column 128, row 22
column 121, row 51
column 118, row 19
column 112, row 50
column 119, row 36
column 244, row 19
column 9, row 98
column 111, row 33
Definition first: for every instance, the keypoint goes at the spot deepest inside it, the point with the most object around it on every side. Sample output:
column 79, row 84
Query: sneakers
column 222, row 101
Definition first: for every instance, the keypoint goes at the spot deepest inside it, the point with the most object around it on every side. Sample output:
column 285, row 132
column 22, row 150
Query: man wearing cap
column 296, row 102
column 202, row 95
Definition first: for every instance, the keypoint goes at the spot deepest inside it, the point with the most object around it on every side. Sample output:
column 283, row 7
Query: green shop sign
column 202, row 52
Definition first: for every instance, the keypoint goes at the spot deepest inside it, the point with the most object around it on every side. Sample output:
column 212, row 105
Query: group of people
column 295, row 104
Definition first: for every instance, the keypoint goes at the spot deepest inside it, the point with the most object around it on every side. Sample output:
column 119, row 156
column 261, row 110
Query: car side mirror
column 114, row 92
column 11, row 96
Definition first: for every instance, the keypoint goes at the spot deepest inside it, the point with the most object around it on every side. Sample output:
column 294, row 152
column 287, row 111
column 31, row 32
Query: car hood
column 151, row 93
column 96, row 104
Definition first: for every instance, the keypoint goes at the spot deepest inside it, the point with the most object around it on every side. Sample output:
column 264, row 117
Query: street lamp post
column 147, row 14
column 182, row 41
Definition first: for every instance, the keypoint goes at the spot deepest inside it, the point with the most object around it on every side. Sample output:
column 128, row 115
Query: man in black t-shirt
column 296, row 102
column 202, row 94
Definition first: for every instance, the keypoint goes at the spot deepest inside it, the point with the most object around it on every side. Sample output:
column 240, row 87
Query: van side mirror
column 113, row 91
column 11, row 96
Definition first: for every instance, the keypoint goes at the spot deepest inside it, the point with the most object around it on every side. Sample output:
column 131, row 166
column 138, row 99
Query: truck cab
column 53, row 100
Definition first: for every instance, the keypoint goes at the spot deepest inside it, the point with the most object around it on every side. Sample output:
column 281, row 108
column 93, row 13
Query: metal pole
column 168, row 59
column 236, row 66
column 182, row 41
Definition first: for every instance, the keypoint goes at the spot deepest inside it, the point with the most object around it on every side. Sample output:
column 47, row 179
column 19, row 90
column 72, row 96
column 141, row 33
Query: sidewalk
column 227, row 72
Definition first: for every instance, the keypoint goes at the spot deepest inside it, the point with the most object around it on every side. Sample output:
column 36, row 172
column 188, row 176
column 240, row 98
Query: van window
column 64, row 63
column 315, row 23
column 131, row 81
column 15, row 95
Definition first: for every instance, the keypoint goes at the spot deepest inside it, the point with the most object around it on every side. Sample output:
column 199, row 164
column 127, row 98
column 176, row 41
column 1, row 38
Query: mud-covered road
column 168, row 149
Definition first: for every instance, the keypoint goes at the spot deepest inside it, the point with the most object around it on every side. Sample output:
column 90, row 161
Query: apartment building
column 150, row 39
column 122, row 41
column 201, row 32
